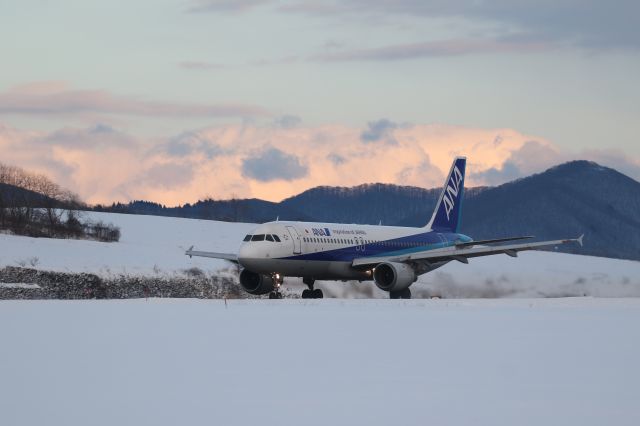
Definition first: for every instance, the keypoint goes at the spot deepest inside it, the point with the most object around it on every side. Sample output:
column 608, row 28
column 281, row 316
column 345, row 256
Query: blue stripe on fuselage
column 425, row 241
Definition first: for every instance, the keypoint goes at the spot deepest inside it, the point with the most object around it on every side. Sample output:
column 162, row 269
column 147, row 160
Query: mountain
column 370, row 203
column 564, row 201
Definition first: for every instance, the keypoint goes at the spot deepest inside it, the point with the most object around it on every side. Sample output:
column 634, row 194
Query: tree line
column 32, row 204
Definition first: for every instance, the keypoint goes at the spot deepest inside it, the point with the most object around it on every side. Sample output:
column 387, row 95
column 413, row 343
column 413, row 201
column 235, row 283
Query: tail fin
column 446, row 216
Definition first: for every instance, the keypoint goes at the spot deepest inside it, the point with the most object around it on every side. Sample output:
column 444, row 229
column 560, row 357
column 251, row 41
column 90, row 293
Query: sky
column 177, row 100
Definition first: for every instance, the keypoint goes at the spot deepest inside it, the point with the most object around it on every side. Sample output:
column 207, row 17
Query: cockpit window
column 275, row 237
column 258, row 237
column 247, row 238
column 269, row 238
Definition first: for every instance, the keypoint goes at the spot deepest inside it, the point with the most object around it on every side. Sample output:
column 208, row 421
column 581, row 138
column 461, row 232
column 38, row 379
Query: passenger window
column 247, row 238
column 276, row 238
column 259, row 237
column 269, row 238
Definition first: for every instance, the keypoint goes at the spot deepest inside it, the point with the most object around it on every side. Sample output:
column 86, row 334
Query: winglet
column 579, row 239
column 188, row 252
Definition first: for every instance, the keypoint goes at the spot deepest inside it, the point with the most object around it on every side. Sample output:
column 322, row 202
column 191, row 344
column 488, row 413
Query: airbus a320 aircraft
column 393, row 257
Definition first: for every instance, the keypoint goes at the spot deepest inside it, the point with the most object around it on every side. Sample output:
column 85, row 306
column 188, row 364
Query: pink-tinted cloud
column 57, row 98
column 272, row 162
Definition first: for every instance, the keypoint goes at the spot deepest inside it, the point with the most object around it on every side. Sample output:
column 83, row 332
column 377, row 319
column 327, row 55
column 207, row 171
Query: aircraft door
column 295, row 237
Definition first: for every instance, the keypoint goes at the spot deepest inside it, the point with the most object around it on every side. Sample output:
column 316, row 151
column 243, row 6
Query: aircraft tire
column 306, row 294
column 317, row 294
column 402, row 294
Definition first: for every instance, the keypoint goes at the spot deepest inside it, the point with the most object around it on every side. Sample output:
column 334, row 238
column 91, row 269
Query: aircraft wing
column 226, row 256
column 459, row 253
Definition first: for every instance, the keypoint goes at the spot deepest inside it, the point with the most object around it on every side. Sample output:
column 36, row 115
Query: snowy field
column 571, row 361
column 152, row 245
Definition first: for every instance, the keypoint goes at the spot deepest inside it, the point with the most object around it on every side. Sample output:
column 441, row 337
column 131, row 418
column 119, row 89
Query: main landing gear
column 277, row 282
column 402, row 294
column 311, row 293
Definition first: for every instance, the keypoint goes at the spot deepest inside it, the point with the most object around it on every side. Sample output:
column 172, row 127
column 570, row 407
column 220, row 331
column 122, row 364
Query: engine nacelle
column 254, row 283
column 393, row 276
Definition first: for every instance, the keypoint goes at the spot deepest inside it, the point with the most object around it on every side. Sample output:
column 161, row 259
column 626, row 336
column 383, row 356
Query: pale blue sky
column 564, row 71
column 574, row 95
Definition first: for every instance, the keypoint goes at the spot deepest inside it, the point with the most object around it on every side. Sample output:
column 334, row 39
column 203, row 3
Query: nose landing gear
column 311, row 293
column 277, row 282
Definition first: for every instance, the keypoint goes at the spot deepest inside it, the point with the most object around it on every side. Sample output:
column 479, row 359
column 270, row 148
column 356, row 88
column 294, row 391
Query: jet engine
column 393, row 276
column 254, row 283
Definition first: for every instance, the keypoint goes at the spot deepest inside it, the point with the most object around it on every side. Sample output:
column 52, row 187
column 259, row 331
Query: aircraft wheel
column 317, row 294
column 306, row 294
column 402, row 294
column 275, row 295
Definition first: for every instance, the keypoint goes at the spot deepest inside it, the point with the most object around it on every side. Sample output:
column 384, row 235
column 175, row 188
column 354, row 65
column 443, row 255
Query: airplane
column 391, row 256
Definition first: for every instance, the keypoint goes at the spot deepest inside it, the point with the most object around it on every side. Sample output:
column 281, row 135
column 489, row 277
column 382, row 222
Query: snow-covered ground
column 148, row 245
column 152, row 245
column 329, row 362
column 525, row 361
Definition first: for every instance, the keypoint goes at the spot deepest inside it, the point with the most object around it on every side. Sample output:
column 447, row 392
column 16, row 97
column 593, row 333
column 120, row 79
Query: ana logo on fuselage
column 321, row 232
column 450, row 194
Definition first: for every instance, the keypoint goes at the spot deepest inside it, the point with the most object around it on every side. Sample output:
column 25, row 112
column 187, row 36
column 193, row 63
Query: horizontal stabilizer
column 497, row 240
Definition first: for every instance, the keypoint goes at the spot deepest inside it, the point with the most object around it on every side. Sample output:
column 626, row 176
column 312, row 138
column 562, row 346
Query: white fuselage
column 327, row 250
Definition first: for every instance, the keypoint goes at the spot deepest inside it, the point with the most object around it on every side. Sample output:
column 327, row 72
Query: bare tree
column 33, row 204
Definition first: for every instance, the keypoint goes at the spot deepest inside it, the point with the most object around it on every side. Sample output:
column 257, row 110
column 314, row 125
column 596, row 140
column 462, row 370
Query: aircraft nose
column 243, row 253
column 251, row 256
column 246, row 253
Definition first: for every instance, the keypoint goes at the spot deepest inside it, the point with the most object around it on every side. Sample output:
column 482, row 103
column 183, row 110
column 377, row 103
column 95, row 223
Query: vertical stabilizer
column 446, row 216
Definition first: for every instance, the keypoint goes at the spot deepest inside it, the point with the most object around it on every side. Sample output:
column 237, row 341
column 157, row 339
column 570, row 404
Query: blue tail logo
column 451, row 193
column 446, row 216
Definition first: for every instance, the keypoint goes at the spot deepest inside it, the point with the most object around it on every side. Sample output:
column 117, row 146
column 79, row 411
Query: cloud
column 166, row 176
column 535, row 156
column 199, row 6
column 455, row 47
column 498, row 175
column 104, row 164
column 273, row 164
column 189, row 143
column 379, row 131
column 530, row 158
column 90, row 138
column 336, row 159
column 591, row 24
column 419, row 174
column 200, row 65
column 287, row 121
column 48, row 99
